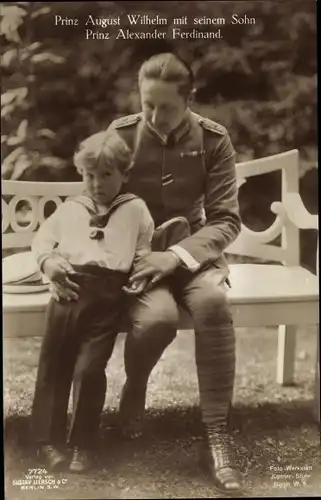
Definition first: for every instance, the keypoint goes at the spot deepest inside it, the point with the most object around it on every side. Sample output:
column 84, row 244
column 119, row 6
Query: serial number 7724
column 37, row 471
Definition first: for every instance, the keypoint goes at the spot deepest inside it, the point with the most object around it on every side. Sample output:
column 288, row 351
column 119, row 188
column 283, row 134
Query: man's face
column 162, row 105
column 102, row 183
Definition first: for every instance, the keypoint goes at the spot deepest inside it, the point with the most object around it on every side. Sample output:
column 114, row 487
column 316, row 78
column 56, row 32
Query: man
column 184, row 165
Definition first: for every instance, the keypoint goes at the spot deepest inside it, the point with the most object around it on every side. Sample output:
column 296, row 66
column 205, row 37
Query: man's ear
column 191, row 97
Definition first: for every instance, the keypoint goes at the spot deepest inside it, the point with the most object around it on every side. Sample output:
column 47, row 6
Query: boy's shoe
column 51, row 457
column 81, row 461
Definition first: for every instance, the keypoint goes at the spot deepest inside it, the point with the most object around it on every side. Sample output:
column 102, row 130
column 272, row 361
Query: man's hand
column 155, row 265
column 57, row 269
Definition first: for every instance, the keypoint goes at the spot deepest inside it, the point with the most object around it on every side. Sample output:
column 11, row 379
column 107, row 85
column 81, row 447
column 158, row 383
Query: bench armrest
column 297, row 213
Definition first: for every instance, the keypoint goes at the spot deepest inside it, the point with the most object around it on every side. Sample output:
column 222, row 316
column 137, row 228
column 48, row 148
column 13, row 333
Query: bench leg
column 316, row 409
column 286, row 354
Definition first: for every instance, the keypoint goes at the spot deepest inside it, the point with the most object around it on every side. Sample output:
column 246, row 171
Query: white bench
column 283, row 294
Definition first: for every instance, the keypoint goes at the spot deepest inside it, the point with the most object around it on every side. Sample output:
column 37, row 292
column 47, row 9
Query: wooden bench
column 283, row 294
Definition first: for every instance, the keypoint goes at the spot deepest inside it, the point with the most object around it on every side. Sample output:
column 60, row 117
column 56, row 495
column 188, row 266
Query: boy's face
column 102, row 183
column 162, row 104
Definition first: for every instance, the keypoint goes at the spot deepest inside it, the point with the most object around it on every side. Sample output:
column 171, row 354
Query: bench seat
column 282, row 295
column 255, row 287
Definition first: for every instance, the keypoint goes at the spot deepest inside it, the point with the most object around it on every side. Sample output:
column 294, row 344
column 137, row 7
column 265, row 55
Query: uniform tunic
column 192, row 174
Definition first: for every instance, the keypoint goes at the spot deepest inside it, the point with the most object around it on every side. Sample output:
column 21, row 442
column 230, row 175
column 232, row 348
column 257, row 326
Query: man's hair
column 103, row 149
column 168, row 67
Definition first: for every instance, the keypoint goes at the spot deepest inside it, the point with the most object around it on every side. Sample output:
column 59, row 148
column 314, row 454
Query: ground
column 273, row 426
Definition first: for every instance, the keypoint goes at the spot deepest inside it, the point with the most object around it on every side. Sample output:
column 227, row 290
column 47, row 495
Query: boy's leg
column 89, row 389
column 56, row 362
column 99, row 326
column 89, row 385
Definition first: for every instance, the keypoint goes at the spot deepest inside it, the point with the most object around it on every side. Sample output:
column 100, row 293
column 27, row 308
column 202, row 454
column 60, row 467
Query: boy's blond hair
column 102, row 149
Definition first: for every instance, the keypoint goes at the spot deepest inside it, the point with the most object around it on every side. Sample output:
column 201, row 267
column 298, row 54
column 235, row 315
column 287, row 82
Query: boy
column 96, row 238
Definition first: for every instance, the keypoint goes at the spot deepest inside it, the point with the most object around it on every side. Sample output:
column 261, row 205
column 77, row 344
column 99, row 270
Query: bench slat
column 31, row 323
column 251, row 284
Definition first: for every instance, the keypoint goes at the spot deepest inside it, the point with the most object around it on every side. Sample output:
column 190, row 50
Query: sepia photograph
column 160, row 252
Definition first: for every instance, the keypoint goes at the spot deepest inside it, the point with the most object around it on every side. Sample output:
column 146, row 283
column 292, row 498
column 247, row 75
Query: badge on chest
column 184, row 154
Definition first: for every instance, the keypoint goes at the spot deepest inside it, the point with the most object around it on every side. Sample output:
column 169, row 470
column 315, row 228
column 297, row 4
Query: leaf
column 11, row 100
column 22, row 129
column 8, row 57
column 40, row 12
column 11, row 36
column 53, row 162
column 14, row 141
column 29, row 49
column 22, row 92
column 12, row 18
column 46, row 133
column 20, row 167
column 8, row 97
column 47, row 57
column 34, row 46
column 7, row 110
column 12, row 157
column 19, row 93
column 13, row 11
column 20, row 136
column 6, row 171
column 15, row 164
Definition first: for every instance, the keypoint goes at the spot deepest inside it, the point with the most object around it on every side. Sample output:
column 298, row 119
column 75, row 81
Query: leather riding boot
column 219, row 460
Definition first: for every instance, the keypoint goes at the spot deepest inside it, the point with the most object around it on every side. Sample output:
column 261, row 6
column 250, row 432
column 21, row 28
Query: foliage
column 58, row 87
column 24, row 141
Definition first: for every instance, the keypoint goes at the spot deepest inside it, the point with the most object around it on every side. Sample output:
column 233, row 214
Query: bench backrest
column 19, row 234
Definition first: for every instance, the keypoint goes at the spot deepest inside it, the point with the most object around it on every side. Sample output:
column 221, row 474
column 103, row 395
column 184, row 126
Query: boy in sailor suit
column 100, row 234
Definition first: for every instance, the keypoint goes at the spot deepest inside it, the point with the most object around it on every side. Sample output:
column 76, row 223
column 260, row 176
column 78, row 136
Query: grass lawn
column 273, row 426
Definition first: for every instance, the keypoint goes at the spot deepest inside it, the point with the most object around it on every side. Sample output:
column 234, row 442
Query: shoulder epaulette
column 125, row 121
column 212, row 126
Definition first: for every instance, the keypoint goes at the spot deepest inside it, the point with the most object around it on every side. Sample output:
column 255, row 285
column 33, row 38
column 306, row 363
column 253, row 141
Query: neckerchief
column 97, row 220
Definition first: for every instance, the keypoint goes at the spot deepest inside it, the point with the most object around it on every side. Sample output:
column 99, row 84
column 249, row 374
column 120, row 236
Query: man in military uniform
column 184, row 165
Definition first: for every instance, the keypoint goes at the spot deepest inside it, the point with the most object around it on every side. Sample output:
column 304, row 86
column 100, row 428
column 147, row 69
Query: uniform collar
column 176, row 134
column 163, row 138
column 182, row 128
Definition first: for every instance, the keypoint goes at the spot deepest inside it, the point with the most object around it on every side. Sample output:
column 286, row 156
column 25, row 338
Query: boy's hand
column 57, row 269
column 136, row 287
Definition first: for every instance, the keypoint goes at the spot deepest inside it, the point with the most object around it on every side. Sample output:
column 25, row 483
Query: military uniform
column 191, row 174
